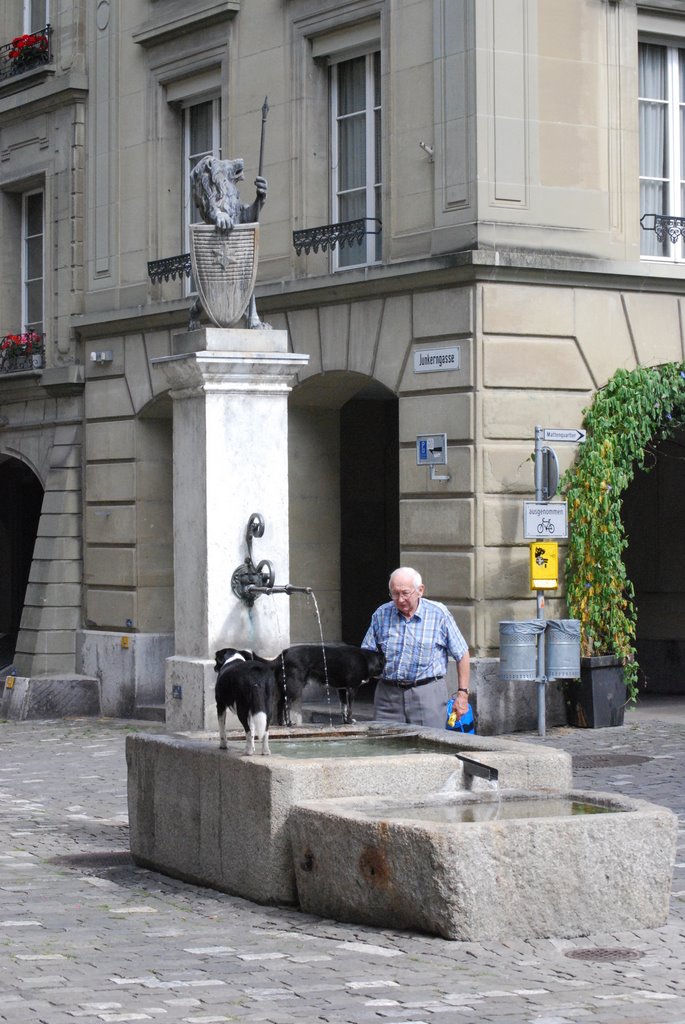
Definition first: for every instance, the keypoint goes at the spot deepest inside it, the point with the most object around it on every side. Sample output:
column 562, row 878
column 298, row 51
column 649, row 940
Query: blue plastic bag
column 466, row 723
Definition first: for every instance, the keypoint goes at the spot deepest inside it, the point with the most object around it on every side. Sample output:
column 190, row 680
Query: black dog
column 342, row 666
column 247, row 686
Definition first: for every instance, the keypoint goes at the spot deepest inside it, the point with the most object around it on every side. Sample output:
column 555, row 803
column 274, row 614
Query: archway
column 19, row 514
column 344, row 501
column 655, row 563
column 635, row 410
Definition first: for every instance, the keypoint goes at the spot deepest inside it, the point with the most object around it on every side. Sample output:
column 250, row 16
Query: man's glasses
column 395, row 594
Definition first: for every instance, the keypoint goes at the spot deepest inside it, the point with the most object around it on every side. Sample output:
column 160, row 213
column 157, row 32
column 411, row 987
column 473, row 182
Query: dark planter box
column 598, row 699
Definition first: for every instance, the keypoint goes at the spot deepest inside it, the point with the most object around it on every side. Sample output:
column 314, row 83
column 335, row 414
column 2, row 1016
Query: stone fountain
column 321, row 822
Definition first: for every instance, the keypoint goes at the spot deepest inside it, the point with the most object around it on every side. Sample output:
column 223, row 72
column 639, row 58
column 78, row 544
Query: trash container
column 562, row 649
column 518, row 649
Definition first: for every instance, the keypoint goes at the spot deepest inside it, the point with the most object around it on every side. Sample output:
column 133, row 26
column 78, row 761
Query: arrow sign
column 560, row 434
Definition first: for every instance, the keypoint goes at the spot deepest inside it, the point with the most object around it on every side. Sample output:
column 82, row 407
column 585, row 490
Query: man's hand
column 462, row 703
column 262, row 187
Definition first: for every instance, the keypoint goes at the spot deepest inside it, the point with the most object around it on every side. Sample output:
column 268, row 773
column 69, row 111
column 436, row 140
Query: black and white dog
column 246, row 684
column 342, row 666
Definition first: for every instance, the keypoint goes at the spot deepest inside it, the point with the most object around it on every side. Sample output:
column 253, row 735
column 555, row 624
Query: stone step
column 151, row 712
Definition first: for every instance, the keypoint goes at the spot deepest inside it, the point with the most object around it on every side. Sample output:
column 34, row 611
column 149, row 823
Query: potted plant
column 22, row 351
column 634, row 407
column 28, row 50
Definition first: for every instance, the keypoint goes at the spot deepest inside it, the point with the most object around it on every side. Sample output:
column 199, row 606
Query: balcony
column 26, row 53
column 664, row 226
column 328, row 236
column 22, row 352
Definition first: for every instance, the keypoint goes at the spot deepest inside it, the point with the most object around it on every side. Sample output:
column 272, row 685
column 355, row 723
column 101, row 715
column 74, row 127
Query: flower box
column 21, row 352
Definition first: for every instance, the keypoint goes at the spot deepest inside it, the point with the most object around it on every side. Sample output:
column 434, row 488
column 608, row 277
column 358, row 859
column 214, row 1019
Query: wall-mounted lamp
column 102, row 357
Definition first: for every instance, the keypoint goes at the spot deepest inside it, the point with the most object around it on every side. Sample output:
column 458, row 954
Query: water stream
column 312, row 595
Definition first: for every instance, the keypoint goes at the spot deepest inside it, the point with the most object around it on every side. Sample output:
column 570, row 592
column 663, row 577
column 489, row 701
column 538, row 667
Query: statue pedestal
column 230, row 455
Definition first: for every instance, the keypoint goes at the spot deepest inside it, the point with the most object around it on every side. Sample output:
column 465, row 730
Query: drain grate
column 98, row 860
column 608, row 760
column 612, row 953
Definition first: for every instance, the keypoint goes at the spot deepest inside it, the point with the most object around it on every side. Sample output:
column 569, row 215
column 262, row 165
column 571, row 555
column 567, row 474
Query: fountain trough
column 217, row 818
column 479, row 868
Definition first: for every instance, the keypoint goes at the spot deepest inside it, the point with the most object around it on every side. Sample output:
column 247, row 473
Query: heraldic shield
column 225, row 268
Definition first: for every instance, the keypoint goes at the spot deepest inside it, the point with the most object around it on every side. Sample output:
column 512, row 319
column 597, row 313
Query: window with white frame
column 201, row 137
column 36, row 14
column 356, row 164
column 661, row 86
column 32, row 262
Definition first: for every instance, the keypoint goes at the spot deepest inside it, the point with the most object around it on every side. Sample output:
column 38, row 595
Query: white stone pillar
column 230, row 455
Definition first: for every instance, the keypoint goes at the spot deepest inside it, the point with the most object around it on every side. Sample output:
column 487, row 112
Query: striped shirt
column 417, row 648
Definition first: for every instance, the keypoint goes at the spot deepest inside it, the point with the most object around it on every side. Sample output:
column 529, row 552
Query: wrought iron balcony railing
column 350, row 232
column 327, row 236
column 170, row 267
column 24, row 53
column 17, row 356
column 664, row 226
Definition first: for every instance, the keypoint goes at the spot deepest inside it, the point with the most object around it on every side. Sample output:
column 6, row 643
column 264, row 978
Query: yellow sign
column 9, row 682
column 544, row 565
column 124, row 642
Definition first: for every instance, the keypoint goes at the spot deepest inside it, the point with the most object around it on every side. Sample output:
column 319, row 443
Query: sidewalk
column 87, row 936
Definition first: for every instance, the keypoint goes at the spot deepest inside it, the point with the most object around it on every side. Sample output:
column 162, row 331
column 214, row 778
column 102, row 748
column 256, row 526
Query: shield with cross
column 224, row 266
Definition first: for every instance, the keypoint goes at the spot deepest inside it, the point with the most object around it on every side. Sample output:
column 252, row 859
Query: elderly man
column 416, row 636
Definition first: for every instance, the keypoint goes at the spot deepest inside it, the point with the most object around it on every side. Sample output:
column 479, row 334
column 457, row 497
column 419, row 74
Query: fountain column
column 230, row 456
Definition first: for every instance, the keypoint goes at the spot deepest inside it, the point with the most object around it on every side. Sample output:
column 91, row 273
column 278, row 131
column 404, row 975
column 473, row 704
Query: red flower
column 21, row 343
column 35, row 42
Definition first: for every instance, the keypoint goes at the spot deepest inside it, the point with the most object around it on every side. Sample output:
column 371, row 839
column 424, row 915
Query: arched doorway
column 344, row 502
column 655, row 563
column 19, row 514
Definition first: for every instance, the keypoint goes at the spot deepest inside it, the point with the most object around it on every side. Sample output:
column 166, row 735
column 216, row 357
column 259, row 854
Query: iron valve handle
column 255, row 528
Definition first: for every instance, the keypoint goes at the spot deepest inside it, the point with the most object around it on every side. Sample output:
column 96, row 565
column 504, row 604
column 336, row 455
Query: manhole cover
column 616, row 953
column 95, row 859
column 607, row 760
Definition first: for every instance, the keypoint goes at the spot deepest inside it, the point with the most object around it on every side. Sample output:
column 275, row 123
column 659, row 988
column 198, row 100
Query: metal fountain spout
column 249, row 580
column 473, row 769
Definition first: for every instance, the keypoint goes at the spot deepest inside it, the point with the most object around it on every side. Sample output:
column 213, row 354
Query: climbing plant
column 634, row 408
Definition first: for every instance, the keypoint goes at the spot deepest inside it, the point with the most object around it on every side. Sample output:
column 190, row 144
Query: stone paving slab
column 87, row 936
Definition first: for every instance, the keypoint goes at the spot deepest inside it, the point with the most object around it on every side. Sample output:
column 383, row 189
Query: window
column 201, row 137
column 356, row 154
column 32, row 263
column 36, row 14
column 661, row 85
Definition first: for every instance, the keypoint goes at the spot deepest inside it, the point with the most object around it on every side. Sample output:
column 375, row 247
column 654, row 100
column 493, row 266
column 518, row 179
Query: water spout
column 249, row 580
column 287, row 588
column 476, row 769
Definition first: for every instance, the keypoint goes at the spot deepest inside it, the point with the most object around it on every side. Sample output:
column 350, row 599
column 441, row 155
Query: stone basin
column 219, row 819
column 471, row 867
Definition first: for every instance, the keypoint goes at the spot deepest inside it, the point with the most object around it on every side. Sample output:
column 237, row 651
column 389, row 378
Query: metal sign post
column 546, row 520
column 540, row 495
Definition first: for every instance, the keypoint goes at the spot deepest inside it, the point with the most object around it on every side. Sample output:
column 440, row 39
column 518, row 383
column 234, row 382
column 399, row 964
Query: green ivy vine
column 634, row 408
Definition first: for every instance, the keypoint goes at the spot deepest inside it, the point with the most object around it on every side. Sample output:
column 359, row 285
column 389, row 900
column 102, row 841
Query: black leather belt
column 407, row 684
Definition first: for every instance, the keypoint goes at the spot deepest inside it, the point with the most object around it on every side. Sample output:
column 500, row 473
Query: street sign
column 431, row 450
column 550, row 473
column 545, row 520
column 561, row 434
column 544, row 565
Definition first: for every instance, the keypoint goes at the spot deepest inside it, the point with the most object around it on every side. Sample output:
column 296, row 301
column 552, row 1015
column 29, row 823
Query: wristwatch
column 463, row 689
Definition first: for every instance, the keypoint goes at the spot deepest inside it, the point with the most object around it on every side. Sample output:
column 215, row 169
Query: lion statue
column 216, row 196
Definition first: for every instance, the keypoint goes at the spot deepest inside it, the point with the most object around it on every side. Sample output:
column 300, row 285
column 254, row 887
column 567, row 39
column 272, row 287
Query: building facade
column 459, row 235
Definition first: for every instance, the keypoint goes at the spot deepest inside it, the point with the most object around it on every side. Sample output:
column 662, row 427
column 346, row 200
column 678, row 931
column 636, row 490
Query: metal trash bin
column 562, row 649
column 518, row 649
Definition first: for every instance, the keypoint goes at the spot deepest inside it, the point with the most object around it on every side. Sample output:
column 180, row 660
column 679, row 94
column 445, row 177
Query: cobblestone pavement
column 87, row 936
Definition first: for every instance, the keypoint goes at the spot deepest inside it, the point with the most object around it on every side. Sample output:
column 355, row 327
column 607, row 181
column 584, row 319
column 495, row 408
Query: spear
column 265, row 111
